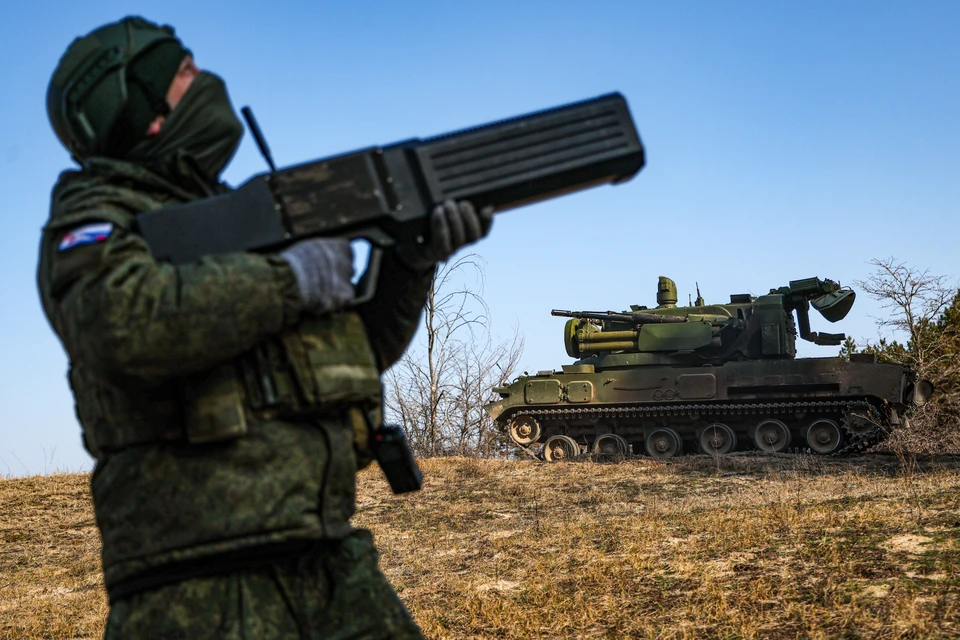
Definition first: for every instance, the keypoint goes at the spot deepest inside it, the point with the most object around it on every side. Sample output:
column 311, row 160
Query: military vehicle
column 705, row 378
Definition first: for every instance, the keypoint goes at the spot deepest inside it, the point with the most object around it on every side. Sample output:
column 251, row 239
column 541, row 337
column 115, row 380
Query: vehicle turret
column 745, row 328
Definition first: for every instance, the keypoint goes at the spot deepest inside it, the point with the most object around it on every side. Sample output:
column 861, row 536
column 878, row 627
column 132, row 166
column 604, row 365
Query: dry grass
column 50, row 581
column 748, row 548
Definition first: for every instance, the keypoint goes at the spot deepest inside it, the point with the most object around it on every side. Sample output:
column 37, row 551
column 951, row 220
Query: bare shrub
column 438, row 388
column 924, row 309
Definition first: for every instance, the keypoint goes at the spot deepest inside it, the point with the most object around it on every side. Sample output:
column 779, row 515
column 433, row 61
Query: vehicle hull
column 782, row 399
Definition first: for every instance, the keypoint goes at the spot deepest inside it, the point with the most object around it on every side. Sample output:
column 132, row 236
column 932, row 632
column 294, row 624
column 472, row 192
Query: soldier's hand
column 452, row 225
column 323, row 268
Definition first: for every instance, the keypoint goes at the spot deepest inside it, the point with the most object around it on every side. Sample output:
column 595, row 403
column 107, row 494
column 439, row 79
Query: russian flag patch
column 87, row 234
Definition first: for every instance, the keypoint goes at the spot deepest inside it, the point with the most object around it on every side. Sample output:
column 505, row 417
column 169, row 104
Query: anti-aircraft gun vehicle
column 706, row 378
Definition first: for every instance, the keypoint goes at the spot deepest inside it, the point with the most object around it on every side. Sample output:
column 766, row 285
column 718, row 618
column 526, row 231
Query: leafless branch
column 922, row 307
column 438, row 389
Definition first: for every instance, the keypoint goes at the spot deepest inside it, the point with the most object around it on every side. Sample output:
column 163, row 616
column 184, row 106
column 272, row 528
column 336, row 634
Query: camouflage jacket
column 148, row 343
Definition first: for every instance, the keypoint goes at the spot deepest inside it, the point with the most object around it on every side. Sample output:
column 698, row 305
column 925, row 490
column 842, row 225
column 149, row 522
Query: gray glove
column 452, row 225
column 323, row 268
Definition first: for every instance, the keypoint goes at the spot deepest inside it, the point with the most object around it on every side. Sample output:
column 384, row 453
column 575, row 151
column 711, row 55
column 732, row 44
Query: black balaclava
column 148, row 77
column 200, row 134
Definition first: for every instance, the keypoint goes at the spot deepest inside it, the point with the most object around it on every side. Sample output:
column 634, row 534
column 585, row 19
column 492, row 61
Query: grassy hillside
column 751, row 547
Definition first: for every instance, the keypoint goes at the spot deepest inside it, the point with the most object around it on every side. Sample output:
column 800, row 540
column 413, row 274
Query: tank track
column 860, row 442
column 857, row 442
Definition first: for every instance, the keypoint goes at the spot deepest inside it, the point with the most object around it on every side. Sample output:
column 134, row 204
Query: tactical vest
column 321, row 367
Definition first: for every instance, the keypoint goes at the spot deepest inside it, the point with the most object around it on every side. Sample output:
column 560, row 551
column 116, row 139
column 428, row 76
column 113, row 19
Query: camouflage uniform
column 219, row 520
column 332, row 590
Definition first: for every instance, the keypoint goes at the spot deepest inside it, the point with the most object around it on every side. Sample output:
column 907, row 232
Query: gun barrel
column 592, row 315
column 634, row 317
column 619, row 345
column 606, row 336
column 655, row 318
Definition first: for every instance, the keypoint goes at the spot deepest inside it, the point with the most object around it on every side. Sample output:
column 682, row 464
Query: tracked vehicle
column 713, row 379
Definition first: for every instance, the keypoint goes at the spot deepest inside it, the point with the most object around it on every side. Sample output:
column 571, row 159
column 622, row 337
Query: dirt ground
column 741, row 547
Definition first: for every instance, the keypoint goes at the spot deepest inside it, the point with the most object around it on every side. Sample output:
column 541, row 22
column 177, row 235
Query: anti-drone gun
column 384, row 195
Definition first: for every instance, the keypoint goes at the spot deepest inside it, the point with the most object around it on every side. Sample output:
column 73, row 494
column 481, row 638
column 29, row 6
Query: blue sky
column 784, row 140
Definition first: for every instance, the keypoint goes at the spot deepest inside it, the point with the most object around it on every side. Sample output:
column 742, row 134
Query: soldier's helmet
column 110, row 84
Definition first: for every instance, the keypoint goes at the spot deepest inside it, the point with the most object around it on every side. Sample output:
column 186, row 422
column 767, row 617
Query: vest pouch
column 268, row 379
column 332, row 361
column 214, row 405
column 114, row 419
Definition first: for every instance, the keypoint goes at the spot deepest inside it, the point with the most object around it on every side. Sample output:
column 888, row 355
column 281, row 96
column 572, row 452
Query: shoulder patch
column 86, row 234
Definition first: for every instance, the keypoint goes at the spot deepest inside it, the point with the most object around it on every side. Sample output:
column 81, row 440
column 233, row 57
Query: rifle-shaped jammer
column 385, row 194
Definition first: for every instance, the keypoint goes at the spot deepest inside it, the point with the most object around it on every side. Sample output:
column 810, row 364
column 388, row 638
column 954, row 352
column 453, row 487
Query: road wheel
column 524, row 430
column 610, row 444
column 717, row 439
column 558, row 448
column 662, row 444
column 823, row 436
column 771, row 436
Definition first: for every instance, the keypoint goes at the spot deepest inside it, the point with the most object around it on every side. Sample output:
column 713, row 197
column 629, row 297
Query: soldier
column 224, row 401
